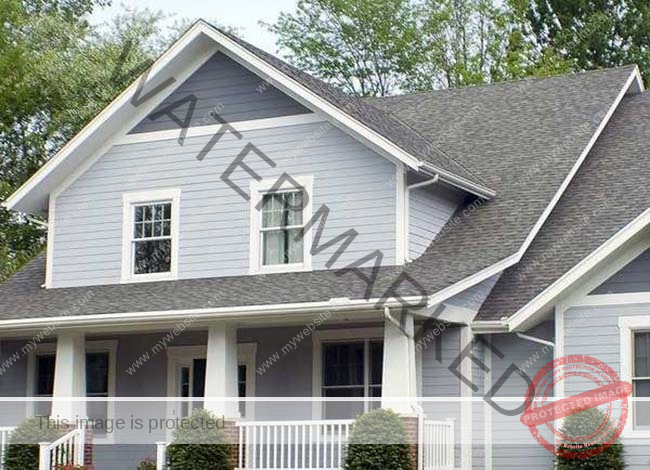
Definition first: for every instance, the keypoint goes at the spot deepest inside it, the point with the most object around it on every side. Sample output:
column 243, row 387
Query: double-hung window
column 276, row 225
column 150, row 235
column 641, row 378
column 351, row 369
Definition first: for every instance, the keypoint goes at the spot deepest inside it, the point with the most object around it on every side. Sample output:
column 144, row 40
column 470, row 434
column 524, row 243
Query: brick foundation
column 232, row 434
column 88, row 447
column 411, row 425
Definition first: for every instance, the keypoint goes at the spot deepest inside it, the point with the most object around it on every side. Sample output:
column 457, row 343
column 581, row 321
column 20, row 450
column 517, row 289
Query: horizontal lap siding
column 513, row 446
column 635, row 277
column 430, row 207
column 223, row 86
column 13, row 382
column 215, row 220
column 594, row 331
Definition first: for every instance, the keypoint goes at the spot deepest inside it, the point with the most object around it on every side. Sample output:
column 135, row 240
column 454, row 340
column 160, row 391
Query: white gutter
column 37, row 222
column 536, row 340
column 433, row 180
column 155, row 317
column 391, row 319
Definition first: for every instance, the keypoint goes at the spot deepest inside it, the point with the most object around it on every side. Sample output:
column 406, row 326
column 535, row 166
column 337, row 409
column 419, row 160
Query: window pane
column 139, row 213
column 642, row 408
column 342, row 409
column 376, row 362
column 148, row 213
column 45, row 374
column 642, row 354
column 97, row 374
column 148, row 230
column 168, row 211
column 271, row 211
column 167, row 229
column 375, row 392
column 241, row 377
column 139, row 230
column 152, row 256
column 343, row 364
column 279, row 247
column 198, row 382
column 157, row 229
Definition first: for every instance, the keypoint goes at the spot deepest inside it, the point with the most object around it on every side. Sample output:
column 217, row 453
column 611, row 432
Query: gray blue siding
column 223, row 86
column 214, row 219
column 513, row 446
column 635, row 277
column 594, row 331
column 430, row 208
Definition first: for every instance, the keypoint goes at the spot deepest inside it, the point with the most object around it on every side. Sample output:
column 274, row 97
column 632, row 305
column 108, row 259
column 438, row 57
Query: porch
column 264, row 372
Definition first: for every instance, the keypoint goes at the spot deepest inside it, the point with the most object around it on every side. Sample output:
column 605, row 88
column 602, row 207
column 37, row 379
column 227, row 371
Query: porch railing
column 5, row 433
column 437, row 445
column 279, row 445
column 66, row 450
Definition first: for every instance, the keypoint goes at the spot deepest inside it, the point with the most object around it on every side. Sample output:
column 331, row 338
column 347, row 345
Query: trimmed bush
column 583, row 424
column 206, row 448
column 147, row 464
column 378, row 441
column 23, row 449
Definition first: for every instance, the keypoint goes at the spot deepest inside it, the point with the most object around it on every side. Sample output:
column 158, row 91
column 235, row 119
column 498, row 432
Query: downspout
column 407, row 204
column 536, row 340
column 391, row 319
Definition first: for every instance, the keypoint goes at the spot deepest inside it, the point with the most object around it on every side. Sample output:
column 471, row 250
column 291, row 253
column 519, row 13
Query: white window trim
column 257, row 190
column 246, row 356
column 128, row 201
column 109, row 346
column 336, row 336
column 627, row 327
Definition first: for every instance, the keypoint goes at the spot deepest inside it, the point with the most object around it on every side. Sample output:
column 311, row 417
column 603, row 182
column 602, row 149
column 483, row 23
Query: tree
column 365, row 47
column 377, row 48
column 594, row 34
column 55, row 71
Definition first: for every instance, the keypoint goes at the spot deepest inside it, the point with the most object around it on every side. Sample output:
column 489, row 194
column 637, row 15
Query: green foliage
column 22, row 452
column 147, row 464
column 587, row 423
column 205, row 448
column 594, row 34
column 378, row 441
column 377, row 48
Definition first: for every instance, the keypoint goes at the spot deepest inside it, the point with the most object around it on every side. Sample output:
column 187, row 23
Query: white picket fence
column 5, row 433
column 437, row 445
column 68, row 449
column 321, row 445
column 280, row 445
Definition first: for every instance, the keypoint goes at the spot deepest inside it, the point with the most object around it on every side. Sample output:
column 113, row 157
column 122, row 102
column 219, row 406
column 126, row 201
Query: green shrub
column 199, row 449
column 378, row 441
column 147, row 464
column 583, row 424
column 23, row 449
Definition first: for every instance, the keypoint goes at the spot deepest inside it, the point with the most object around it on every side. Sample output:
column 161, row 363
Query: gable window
column 641, row 379
column 150, row 235
column 351, row 369
column 276, row 225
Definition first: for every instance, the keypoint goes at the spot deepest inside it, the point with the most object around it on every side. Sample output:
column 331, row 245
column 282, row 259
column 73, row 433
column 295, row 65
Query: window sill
column 149, row 278
column 281, row 268
column 636, row 434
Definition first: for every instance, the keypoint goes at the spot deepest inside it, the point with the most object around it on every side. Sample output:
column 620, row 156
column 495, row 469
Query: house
column 199, row 227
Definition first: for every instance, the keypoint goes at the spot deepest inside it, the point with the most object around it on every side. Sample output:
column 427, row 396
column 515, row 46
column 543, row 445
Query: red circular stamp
column 608, row 388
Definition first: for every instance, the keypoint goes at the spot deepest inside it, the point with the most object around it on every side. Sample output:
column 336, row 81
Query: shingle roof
column 514, row 130
column 611, row 189
column 517, row 126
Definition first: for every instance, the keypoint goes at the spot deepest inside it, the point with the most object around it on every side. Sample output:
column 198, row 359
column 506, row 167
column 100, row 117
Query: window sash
column 267, row 257
column 166, row 207
column 366, row 386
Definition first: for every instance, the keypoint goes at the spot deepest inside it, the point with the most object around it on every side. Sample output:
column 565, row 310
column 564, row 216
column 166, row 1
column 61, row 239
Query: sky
column 243, row 14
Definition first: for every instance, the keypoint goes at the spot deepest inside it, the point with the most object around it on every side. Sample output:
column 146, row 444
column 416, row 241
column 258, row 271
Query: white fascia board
column 154, row 318
column 569, row 279
column 156, row 76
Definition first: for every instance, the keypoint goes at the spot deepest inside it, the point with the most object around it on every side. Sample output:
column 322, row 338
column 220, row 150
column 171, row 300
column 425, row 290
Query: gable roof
column 527, row 140
column 607, row 203
column 373, row 126
column 514, row 134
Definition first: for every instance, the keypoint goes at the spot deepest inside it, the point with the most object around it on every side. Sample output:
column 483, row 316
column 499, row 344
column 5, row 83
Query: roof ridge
column 499, row 84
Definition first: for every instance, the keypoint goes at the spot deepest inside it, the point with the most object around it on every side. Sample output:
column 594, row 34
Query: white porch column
column 221, row 371
column 70, row 376
column 399, row 371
